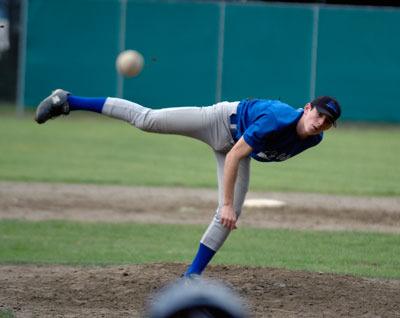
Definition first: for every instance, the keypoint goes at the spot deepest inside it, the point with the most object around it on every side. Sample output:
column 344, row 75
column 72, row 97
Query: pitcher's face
column 314, row 121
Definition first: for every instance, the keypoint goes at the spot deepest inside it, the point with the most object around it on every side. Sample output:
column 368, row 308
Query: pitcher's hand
column 228, row 217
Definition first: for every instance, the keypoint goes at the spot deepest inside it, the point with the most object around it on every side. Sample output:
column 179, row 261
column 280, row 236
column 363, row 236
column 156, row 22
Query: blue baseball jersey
column 269, row 127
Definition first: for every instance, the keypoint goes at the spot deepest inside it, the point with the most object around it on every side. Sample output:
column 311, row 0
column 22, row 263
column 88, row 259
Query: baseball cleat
column 190, row 279
column 191, row 276
column 53, row 106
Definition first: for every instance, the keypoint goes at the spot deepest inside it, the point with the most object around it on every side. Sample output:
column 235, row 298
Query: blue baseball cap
column 329, row 106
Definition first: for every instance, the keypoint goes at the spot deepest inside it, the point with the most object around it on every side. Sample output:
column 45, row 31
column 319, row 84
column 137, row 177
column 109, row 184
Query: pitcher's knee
column 139, row 123
column 215, row 235
column 237, row 210
column 149, row 121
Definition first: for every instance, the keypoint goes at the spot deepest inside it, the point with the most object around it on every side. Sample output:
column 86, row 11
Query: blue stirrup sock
column 203, row 257
column 86, row 103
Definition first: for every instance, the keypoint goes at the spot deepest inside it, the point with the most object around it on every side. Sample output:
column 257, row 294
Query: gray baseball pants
column 210, row 124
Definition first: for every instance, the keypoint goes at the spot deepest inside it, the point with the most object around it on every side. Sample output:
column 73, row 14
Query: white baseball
column 129, row 63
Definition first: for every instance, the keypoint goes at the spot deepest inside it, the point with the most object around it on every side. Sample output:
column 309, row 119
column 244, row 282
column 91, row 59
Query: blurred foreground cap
column 196, row 298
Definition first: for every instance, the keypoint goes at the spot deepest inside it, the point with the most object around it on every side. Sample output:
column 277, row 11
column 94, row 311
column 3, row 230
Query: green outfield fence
column 197, row 53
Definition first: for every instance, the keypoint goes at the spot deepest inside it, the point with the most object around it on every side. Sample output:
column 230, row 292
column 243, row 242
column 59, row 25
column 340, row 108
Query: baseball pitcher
column 263, row 130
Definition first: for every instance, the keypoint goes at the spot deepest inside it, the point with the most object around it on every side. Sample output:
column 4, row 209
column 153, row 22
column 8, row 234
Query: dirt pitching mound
column 123, row 291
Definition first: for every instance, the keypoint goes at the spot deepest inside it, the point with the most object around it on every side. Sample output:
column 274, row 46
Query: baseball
column 129, row 63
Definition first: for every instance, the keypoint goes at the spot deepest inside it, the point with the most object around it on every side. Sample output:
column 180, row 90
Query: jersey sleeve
column 257, row 132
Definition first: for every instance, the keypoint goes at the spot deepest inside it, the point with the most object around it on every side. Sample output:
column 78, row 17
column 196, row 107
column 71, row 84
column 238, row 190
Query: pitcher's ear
column 308, row 107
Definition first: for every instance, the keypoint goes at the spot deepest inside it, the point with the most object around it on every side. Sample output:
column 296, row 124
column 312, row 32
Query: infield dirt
column 44, row 201
column 122, row 291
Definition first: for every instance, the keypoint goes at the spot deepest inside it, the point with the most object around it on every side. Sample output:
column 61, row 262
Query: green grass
column 6, row 313
column 89, row 148
column 55, row 242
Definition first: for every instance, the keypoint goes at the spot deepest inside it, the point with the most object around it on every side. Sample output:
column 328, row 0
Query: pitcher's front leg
column 216, row 234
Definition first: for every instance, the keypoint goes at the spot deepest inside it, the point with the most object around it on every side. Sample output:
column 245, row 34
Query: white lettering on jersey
column 273, row 155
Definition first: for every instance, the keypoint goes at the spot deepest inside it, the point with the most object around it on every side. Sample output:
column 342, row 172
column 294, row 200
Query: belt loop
column 233, row 126
column 233, row 120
